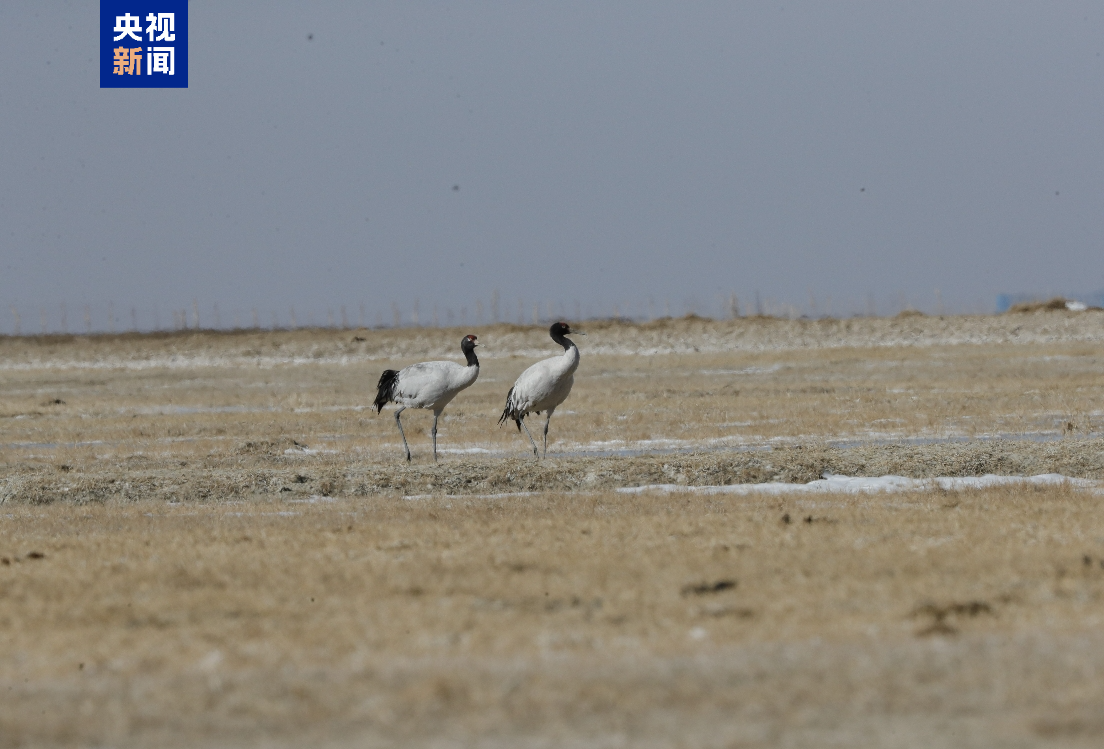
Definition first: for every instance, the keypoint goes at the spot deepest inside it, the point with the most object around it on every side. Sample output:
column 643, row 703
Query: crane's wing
column 423, row 384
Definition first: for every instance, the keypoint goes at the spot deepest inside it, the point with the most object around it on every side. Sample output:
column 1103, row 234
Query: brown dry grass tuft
column 279, row 470
column 1056, row 303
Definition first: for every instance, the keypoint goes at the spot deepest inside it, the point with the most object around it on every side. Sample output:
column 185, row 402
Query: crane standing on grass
column 545, row 385
column 430, row 384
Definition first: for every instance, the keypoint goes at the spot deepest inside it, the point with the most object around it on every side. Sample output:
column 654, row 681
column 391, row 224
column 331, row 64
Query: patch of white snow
column 868, row 484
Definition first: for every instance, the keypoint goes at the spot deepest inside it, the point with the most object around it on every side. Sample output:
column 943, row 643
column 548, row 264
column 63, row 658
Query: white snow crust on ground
column 835, row 484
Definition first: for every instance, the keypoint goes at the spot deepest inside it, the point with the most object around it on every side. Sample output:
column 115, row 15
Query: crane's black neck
column 561, row 339
column 469, row 354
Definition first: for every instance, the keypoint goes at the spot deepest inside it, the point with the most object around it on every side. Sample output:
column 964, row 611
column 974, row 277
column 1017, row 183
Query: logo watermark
column 143, row 43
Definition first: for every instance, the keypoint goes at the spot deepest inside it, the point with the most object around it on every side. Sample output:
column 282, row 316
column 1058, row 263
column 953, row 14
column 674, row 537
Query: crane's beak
column 577, row 332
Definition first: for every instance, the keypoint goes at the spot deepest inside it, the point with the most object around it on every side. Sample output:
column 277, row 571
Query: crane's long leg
column 397, row 421
column 546, row 420
column 522, row 422
column 435, row 415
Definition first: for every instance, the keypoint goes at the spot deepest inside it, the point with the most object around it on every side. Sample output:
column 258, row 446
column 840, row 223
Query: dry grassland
column 205, row 541
column 232, row 402
column 964, row 619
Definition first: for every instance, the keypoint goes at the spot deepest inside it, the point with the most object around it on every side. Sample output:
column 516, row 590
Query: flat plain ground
column 210, row 539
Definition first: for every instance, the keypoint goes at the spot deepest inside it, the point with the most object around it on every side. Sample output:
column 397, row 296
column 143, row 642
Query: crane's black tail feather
column 385, row 392
column 511, row 412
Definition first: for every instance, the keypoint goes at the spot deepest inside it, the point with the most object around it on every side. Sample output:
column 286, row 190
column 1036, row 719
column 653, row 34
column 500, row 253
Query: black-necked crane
column 545, row 385
column 429, row 384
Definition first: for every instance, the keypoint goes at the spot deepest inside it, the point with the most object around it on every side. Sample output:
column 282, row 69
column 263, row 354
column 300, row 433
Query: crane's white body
column 432, row 384
column 544, row 386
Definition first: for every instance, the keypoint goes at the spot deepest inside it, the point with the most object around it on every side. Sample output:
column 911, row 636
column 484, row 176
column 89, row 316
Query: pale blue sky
column 605, row 153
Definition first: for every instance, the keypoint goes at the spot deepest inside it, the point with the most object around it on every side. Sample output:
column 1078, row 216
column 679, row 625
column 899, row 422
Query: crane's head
column 469, row 342
column 561, row 329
